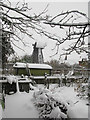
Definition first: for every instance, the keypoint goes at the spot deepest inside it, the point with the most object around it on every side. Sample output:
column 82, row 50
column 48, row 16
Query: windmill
column 37, row 52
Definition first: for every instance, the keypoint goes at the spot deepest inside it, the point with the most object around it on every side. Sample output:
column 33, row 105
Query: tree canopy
column 17, row 21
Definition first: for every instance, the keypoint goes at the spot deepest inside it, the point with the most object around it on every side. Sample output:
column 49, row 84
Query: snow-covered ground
column 78, row 108
column 21, row 105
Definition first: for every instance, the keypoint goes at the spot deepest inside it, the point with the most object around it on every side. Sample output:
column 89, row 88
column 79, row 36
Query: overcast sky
column 53, row 9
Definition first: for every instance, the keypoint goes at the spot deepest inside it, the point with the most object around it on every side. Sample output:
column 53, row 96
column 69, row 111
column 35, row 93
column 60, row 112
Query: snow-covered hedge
column 48, row 106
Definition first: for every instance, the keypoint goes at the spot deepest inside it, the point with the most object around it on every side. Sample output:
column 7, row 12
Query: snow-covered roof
column 31, row 65
column 40, row 45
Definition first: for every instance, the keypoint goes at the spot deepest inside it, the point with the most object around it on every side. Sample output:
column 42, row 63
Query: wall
column 34, row 72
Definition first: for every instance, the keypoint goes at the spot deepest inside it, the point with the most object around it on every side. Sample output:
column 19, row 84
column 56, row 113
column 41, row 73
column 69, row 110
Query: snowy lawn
column 78, row 107
column 22, row 105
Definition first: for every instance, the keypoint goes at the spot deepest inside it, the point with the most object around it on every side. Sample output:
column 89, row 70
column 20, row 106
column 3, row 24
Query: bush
column 49, row 107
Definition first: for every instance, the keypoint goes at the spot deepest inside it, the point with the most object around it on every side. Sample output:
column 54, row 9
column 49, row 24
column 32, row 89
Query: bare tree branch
column 68, row 21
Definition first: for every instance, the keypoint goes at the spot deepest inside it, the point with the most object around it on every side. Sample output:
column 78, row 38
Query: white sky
column 53, row 9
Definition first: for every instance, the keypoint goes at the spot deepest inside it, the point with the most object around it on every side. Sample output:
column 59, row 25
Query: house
column 31, row 69
column 35, row 71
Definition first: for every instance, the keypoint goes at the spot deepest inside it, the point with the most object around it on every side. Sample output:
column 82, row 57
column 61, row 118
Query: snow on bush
column 11, row 79
column 49, row 106
column 60, row 102
column 32, row 87
column 83, row 91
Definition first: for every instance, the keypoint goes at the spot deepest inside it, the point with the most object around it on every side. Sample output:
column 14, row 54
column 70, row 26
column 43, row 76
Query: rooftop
column 31, row 65
column 40, row 44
